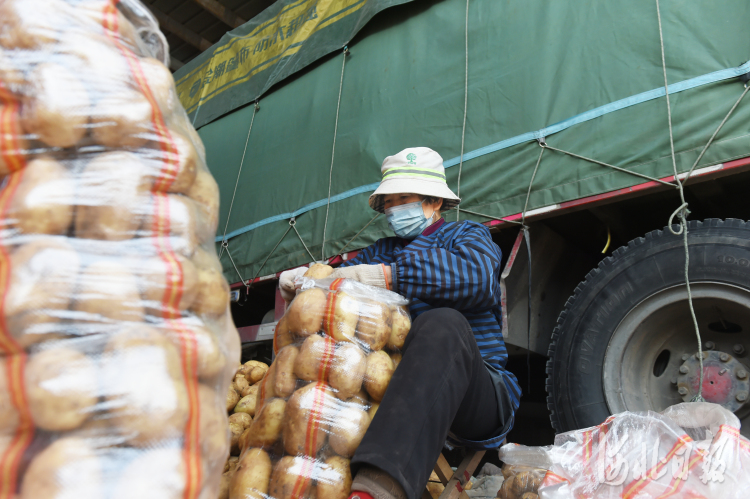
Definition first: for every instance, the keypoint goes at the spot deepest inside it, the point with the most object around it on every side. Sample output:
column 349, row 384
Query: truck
column 605, row 144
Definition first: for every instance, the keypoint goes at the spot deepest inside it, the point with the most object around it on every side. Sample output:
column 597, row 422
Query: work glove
column 286, row 283
column 374, row 275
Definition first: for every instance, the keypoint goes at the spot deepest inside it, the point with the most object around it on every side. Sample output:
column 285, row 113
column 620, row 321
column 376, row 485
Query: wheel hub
column 725, row 379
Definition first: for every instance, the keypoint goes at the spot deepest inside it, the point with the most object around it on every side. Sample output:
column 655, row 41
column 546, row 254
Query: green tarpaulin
column 532, row 65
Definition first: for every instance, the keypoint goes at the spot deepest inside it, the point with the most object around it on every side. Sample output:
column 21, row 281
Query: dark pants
column 440, row 384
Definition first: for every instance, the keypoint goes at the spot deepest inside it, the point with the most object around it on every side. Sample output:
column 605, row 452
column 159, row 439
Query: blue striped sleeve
column 463, row 276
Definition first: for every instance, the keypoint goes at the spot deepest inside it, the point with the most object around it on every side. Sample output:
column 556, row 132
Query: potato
column 379, row 371
column 122, row 119
column 341, row 316
column 348, row 370
column 529, row 495
column 8, row 413
column 203, row 259
column 244, row 442
column 108, row 292
column 175, row 163
column 112, row 194
column 160, row 84
column 396, row 358
column 22, row 26
column 241, row 418
column 231, row 464
column 318, row 271
column 163, row 281
column 58, row 106
column 43, row 201
column 266, row 427
column 347, row 433
column 213, row 294
column 373, row 410
column 305, row 314
column 57, row 472
column 526, row 481
column 292, row 478
column 211, row 359
column 43, row 274
column 315, row 358
column 251, row 390
column 213, row 424
column 253, row 370
column 240, row 383
column 266, row 387
column 155, row 474
column 284, row 380
column 506, row 490
column 400, row 326
column 282, row 336
column 246, row 405
column 235, row 430
column 205, row 192
column 61, row 386
column 334, row 478
column 15, row 141
column 145, row 393
column 182, row 231
column 252, row 477
column 308, row 416
column 232, row 398
column 374, row 326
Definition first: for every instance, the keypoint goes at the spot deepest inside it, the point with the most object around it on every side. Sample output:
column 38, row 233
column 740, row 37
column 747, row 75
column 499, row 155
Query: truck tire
column 625, row 339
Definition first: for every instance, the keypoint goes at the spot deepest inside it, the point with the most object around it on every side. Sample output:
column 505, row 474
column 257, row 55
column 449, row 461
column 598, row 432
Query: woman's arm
column 466, row 277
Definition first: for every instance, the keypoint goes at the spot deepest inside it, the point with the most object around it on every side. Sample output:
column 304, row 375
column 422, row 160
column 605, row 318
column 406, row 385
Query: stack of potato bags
column 337, row 347
column 116, row 343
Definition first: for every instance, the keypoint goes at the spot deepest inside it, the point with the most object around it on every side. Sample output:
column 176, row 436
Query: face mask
column 407, row 220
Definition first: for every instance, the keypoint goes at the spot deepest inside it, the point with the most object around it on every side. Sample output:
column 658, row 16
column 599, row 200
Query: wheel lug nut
column 673, row 381
column 685, row 357
column 683, row 391
column 710, row 345
column 741, row 374
column 724, row 357
column 684, row 369
column 738, row 349
column 741, row 397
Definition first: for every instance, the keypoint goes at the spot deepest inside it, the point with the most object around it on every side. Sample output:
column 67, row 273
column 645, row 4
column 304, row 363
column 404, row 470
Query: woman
column 451, row 382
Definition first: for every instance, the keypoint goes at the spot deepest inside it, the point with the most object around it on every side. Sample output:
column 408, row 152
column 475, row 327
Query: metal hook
column 257, row 105
column 293, row 221
column 346, row 50
column 542, row 142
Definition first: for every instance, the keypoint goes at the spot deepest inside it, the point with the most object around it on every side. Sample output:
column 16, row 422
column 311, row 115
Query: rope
column 547, row 146
column 358, row 233
column 682, row 211
column 466, row 102
column 499, row 219
column 700, row 156
column 236, row 183
column 250, row 283
column 293, row 223
column 333, row 152
column 528, row 193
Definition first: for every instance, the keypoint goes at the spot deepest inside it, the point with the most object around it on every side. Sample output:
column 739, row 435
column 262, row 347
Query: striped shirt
column 455, row 265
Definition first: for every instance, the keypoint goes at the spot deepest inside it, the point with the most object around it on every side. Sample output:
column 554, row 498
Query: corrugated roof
column 191, row 26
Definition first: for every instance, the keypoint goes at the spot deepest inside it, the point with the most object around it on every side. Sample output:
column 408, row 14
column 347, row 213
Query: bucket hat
column 417, row 170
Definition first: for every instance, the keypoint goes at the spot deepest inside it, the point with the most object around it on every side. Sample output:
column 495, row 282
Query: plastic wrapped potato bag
column 116, row 343
column 334, row 361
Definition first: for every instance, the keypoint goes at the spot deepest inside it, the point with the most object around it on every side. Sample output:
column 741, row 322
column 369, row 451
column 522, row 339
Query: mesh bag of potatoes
column 337, row 347
column 116, row 343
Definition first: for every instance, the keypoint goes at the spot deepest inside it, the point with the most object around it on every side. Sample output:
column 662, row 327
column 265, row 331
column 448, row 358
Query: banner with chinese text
column 281, row 40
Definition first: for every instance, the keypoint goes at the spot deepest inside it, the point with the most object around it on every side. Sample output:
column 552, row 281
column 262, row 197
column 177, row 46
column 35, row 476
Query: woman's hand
column 286, row 283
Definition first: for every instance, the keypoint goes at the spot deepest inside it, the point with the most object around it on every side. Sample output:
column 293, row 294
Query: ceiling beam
column 223, row 14
column 175, row 64
column 180, row 31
